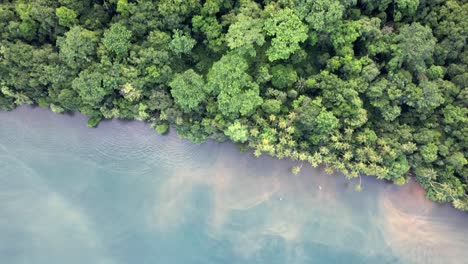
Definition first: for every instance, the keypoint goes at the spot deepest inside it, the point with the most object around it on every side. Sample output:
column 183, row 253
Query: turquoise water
column 122, row 194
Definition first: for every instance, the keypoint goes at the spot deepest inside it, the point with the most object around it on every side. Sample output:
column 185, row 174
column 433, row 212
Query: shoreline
column 286, row 162
column 162, row 185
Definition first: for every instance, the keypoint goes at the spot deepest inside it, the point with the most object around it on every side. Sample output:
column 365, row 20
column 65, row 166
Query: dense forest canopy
column 361, row 86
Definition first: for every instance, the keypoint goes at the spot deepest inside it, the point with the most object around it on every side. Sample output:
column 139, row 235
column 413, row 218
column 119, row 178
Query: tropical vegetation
column 361, row 86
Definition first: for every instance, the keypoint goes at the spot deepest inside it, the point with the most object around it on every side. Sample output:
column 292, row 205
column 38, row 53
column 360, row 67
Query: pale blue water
column 122, row 194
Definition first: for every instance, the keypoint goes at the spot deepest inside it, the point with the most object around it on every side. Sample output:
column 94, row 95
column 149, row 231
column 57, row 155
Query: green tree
column 287, row 31
column 429, row 152
column 236, row 92
column 367, row 87
column 405, row 7
column 175, row 11
column 181, row 43
column 326, row 123
column 89, row 87
column 245, row 33
column 117, row 40
column 425, row 98
column 321, row 15
column 283, row 76
column 66, row 17
column 415, row 45
column 212, row 30
column 162, row 128
column 69, row 99
column 237, row 132
column 189, row 90
column 457, row 160
column 129, row 92
column 271, row 106
column 122, row 6
column 77, row 47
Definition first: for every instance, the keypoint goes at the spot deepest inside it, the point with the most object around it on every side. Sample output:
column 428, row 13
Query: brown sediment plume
column 232, row 189
column 410, row 197
column 293, row 209
column 418, row 233
column 247, row 184
column 236, row 189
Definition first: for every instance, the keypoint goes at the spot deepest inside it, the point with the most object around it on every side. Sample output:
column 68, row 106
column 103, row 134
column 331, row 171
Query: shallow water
column 122, row 194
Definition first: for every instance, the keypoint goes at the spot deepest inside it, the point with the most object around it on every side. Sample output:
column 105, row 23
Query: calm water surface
column 122, row 194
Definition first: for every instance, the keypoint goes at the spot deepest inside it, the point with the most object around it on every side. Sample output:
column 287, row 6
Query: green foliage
column 69, row 99
column 425, row 98
column 358, row 187
column 405, row 7
column 321, row 15
column 181, row 43
column 287, row 31
column 77, row 47
column 175, row 11
column 271, row 106
column 117, row 39
column 236, row 91
column 429, row 152
column 295, row 170
column 130, row 93
column 326, row 122
column 162, row 128
column 245, row 33
column 94, row 121
column 66, row 16
column 457, row 160
column 366, row 87
column 237, row 132
column 56, row 108
column 435, row 72
column 189, row 90
column 122, row 6
column 415, row 46
column 88, row 85
column 283, row 76
column 6, row 104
